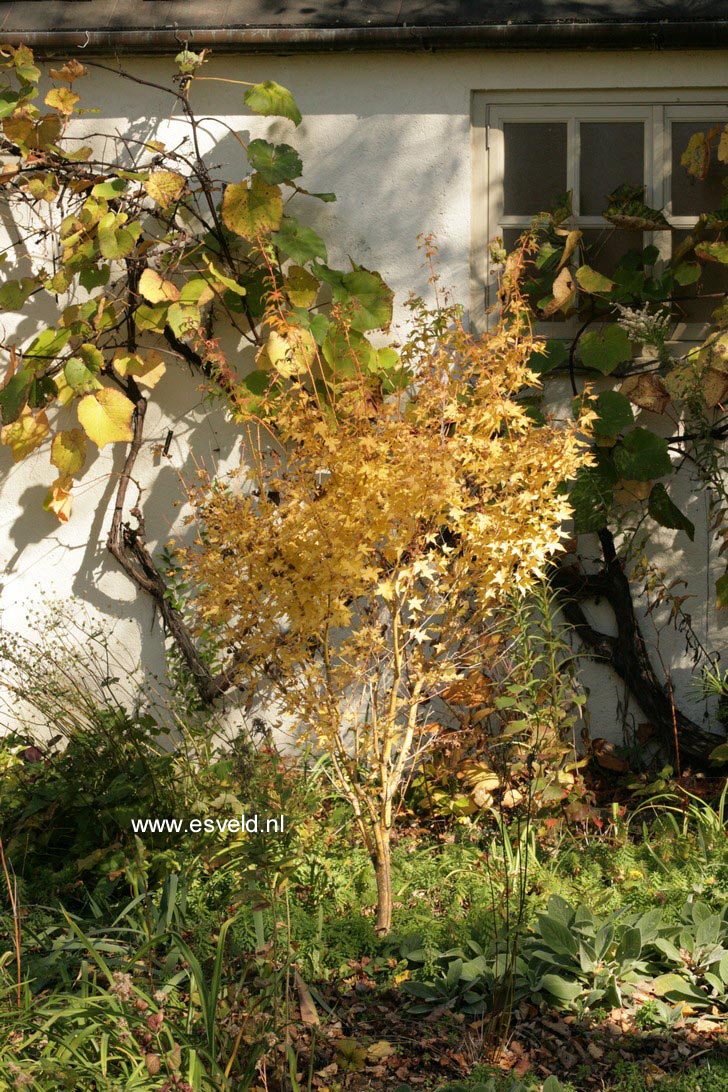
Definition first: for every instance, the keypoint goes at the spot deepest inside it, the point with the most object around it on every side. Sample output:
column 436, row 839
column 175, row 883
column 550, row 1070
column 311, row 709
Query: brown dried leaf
column 72, row 70
column 714, row 387
column 605, row 755
column 572, row 241
column 645, row 731
column 309, row 1015
column 379, row 1050
column 564, row 293
column 626, row 491
column 646, row 391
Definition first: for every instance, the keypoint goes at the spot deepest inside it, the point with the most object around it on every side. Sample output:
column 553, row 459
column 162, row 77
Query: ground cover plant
column 253, row 962
column 543, row 912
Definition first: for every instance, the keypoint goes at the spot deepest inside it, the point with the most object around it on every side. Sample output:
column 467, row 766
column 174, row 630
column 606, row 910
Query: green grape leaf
column 14, row 395
column 590, row 281
column 591, row 497
column 115, row 239
column 605, row 350
column 666, row 513
column 318, row 324
column 370, row 299
column 82, row 369
column 721, row 591
column 274, row 162
column 719, row 755
column 46, row 346
column 642, row 456
column 271, row 100
column 712, row 252
column 13, row 294
column 615, row 414
column 299, row 243
column 687, row 273
column 8, row 102
column 554, row 355
column 113, row 187
column 627, row 210
column 94, row 276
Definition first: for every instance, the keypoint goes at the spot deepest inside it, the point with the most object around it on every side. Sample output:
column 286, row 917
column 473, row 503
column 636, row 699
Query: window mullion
column 572, row 161
column 660, row 177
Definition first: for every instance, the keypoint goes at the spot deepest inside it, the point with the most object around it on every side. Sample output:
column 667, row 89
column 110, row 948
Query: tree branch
column 128, row 546
column 627, row 653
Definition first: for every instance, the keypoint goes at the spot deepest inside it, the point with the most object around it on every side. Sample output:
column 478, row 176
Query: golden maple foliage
column 353, row 570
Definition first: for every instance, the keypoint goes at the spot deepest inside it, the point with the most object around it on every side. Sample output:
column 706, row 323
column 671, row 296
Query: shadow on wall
column 381, row 168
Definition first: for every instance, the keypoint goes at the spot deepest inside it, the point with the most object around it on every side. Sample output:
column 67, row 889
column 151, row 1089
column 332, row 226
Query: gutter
column 710, row 34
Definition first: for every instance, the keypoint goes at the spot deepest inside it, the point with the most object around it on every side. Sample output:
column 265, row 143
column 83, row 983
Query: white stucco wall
column 390, row 134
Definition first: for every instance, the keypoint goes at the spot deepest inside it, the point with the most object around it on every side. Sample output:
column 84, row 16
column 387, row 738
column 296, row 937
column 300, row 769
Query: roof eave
column 708, row 34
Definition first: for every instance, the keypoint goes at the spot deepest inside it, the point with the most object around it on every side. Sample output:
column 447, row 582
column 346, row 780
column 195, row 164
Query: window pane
column 696, row 302
column 606, row 247
column 510, row 237
column 690, row 196
column 535, row 166
column 612, row 153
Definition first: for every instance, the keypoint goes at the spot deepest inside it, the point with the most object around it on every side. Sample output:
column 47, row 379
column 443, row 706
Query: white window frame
column 656, row 108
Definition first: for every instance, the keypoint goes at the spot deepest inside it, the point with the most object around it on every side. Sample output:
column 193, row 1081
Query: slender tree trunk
column 383, row 872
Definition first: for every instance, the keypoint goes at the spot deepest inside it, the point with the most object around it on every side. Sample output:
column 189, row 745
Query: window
column 528, row 154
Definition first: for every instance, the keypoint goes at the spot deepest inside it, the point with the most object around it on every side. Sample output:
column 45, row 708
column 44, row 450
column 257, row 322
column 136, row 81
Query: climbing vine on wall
column 136, row 250
column 659, row 404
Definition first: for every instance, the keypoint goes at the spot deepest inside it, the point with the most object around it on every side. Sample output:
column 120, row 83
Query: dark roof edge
column 710, row 34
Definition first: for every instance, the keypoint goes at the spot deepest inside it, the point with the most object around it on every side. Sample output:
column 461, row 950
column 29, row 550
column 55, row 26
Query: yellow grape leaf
column 62, row 99
column 58, row 499
column 25, row 434
column 723, row 146
column 290, row 355
column 155, row 289
column 63, row 387
column 222, row 279
column 165, row 187
column 301, row 286
column 252, row 210
column 147, row 370
column 68, row 451
column 696, row 157
column 18, row 128
column 44, row 187
column 106, row 416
